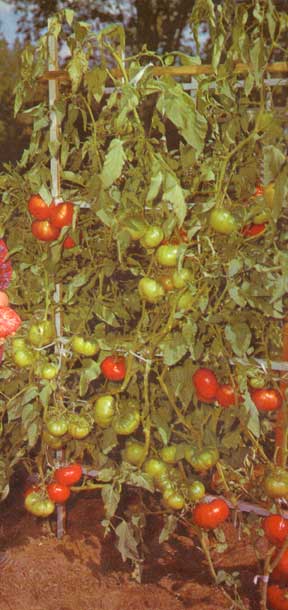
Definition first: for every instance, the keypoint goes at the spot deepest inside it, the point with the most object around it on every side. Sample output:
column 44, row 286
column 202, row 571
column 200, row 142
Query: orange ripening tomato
column 61, row 215
column 44, row 230
column 225, row 395
column 38, row 208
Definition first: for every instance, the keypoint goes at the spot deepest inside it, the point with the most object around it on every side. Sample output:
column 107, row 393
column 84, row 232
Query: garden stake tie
column 54, row 137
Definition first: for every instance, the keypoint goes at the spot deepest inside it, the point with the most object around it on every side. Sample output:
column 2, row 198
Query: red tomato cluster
column 50, row 219
column 57, row 492
column 209, row 390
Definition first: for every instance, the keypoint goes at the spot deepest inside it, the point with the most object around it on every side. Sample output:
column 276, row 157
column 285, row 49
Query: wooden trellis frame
column 54, row 77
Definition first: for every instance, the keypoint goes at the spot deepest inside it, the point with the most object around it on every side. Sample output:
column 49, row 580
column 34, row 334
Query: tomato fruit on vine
column 254, row 230
column 168, row 454
column 225, row 395
column 282, row 565
column 204, row 459
column 210, row 515
column 277, row 597
column 41, row 333
column 205, row 383
column 58, row 492
column 114, row 368
column 196, row 491
column 275, row 483
column 44, row 230
column 182, row 278
column 152, row 237
column 55, row 442
column 126, row 422
column 85, row 347
column 276, row 529
column 61, row 215
column 185, row 301
column 150, row 290
column 267, row 399
column 222, row 221
column 68, row 475
column 38, row 505
column 134, row 452
column 166, row 255
column 23, row 357
column 69, row 242
column 57, row 426
column 48, row 371
column 38, row 208
column 155, row 468
column 104, row 410
column 9, row 322
column 166, row 282
column 78, row 426
column 173, row 499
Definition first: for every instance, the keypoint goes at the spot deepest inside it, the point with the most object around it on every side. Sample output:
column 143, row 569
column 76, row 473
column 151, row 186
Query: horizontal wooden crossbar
column 192, row 70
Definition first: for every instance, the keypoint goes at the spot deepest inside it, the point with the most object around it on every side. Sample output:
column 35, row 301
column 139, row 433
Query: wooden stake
column 56, row 195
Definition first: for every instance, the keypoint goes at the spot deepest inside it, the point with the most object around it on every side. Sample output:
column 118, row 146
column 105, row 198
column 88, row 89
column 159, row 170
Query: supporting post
column 54, row 135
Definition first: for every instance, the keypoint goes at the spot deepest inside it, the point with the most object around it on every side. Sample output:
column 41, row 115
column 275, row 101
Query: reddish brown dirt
column 84, row 571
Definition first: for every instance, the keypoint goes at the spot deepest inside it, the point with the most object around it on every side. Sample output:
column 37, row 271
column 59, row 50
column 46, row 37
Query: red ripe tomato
column 277, row 597
column 69, row 242
column 61, row 215
column 58, row 493
column 68, row 475
column 38, row 208
column 206, row 384
column 252, row 230
column 225, row 395
column 267, row 399
column 114, row 368
column 276, row 529
column 210, row 515
column 259, row 191
column 9, row 321
column 282, row 565
column 44, row 231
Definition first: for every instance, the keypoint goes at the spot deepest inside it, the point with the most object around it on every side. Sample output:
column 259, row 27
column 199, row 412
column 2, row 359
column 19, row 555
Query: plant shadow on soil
column 174, row 576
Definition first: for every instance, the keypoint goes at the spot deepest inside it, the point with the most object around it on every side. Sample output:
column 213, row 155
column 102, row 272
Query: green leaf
column 126, row 543
column 170, row 524
column 110, row 497
column 274, row 159
column 113, row 164
column 79, row 280
column 88, row 374
column 174, row 348
column 77, row 66
column 239, row 337
column 109, row 441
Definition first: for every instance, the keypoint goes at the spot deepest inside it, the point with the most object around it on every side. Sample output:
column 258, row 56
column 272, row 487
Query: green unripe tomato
column 166, row 255
column 150, row 290
column 222, row 221
column 153, row 237
column 48, row 371
column 196, row 491
column 18, row 344
column 189, row 451
column 275, row 483
column 55, row 442
column 134, row 453
column 85, row 347
column 57, row 426
column 23, row 358
column 41, row 333
column 155, row 468
column 126, row 422
column 185, row 301
column 181, row 278
column 168, row 454
column 78, row 426
column 204, row 459
column 173, row 499
column 104, row 410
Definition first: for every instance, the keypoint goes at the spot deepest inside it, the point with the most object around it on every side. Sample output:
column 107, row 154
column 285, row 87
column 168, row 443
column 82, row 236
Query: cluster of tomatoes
column 50, row 219
column 40, row 501
column 209, row 390
column 276, row 531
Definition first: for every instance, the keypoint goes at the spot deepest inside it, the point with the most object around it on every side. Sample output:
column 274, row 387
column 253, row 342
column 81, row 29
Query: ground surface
column 84, row 571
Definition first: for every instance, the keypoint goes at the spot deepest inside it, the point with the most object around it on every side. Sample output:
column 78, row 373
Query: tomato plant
column 23, row 357
column 114, row 368
column 209, row 515
column 44, row 230
column 169, row 454
column 204, row 459
column 48, row 371
column 38, row 208
column 68, row 475
column 173, row 499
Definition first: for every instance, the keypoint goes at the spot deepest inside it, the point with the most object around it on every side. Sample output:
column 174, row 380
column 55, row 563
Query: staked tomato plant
column 125, row 338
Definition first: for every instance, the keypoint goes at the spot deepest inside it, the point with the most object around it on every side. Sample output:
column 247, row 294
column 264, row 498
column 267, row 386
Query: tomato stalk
column 145, row 416
column 222, row 477
column 172, row 401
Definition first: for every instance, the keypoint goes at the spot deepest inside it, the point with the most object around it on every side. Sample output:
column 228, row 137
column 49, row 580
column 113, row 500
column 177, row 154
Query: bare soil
column 84, row 570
